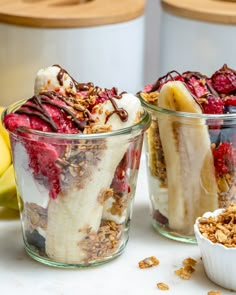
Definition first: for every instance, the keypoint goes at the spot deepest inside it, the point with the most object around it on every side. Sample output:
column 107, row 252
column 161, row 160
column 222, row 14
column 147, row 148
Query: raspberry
column 120, row 183
column 224, row 158
column 105, row 94
column 148, row 87
column 230, row 100
column 13, row 121
column 224, row 80
column 42, row 160
column 230, row 104
column 170, row 76
column 196, row 83
column 213, row 105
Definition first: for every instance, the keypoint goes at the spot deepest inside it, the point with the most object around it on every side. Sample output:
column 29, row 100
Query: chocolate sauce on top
column 78, row 86
column 122, row 113
column 35, row 107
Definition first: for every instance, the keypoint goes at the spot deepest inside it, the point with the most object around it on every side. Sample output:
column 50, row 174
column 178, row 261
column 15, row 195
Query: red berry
column 43, row 162
column 170, row 76
column 213, row 105
column 196, row 83
column 224, row 158
column 120, row 181
column 224, row 80
column 148, row 87
column 230, row 100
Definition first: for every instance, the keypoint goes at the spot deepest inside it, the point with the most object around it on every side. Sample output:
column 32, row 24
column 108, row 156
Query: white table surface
column 19, row 274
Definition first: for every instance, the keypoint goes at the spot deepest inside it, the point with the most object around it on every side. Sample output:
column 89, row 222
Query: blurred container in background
column 100, row 41
column 197, row 35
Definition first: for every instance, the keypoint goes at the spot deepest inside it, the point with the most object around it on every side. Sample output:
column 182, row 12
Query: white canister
column 97, row 40
column 197, row 35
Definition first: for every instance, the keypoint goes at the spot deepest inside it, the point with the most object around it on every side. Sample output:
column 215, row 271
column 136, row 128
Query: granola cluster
column 78, row 161
column 148, row 262
column 222, row 228
column 186, row 271
column 102, row 243
column 213, row 292
column 157, row 162
column 35, row 216
column 162, row 286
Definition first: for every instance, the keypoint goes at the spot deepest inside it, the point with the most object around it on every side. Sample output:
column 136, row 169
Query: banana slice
column 5, row 156
column 8, row 195
column 3, row 131
column 192, row 187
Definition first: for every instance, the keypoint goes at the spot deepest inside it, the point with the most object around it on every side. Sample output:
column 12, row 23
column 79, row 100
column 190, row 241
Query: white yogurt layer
column 158, row 195
column 30, row 189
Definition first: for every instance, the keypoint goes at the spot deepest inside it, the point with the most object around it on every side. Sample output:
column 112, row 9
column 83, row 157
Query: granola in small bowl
column 216, row 236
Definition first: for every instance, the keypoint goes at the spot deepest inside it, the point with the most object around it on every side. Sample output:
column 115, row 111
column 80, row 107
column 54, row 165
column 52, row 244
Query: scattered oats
column 186, row 271
column 162, row 286
column 148, row 262
column 189, row 261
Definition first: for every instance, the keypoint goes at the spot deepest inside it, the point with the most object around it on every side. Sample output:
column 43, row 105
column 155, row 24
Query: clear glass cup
column 76, row 192
column 191, row 165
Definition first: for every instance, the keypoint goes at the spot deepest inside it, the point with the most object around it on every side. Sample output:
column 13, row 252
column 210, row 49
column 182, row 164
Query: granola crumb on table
column 186, row 271
column 148, row 262
column 214, row 293
column 162, row 286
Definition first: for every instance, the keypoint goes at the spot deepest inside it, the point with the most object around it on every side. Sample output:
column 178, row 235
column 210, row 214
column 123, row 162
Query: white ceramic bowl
column 219, row 261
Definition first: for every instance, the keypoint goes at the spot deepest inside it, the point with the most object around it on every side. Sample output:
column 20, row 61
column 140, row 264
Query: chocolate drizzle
column 35, row 107
column 159, row 82
column 76, row 107
column 78, row 86
column 122, row 113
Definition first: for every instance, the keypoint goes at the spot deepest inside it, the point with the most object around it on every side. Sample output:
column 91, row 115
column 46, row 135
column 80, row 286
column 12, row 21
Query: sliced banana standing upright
column 192, row 187
column 5, row 156
column 8, row 194
column 3, row 131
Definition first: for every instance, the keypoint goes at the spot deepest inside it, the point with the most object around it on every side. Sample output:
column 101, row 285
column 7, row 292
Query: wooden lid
column 69, row 13
column 218, row 11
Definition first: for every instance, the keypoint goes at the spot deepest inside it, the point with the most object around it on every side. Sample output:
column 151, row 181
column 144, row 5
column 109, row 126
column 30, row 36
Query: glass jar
column 76, row 192
column 191, row 161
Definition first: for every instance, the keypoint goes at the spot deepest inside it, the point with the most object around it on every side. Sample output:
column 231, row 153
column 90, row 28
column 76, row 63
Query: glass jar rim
column 141, row 125
column 152, row 108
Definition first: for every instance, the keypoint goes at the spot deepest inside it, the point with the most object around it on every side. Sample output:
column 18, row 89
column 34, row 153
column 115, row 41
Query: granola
column 162, row 286
column 156, row 155
column 102, row 243
column 220, row 229
column 35, row 216
column 148, row 262
column 187, row 270
column 214, row 293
